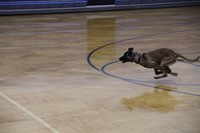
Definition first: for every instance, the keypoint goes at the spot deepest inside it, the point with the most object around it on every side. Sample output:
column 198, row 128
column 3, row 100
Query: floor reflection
column 159, row 100
column 101, row 31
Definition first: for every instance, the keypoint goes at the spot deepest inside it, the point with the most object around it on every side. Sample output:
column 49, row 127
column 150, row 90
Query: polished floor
column 60, row 73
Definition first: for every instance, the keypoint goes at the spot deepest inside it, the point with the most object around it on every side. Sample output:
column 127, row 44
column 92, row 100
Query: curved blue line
column 143, row 81
column 139, row 82
column 134, row 38
column 128, row 39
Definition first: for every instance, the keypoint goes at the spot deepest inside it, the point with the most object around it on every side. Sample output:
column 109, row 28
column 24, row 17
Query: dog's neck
column 137, row 57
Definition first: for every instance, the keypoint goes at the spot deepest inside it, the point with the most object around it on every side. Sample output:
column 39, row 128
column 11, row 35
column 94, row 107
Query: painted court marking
column 151, row 82
column 138, row 82
column 131, row 39
column 143, row 83
column 53, row 130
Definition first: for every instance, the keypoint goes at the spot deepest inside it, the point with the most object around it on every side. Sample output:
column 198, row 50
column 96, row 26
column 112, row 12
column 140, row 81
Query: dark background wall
column 100, row 2
column 9, row 7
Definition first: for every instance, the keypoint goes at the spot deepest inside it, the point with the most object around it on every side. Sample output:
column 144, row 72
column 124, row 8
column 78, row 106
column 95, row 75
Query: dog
column 159, row 60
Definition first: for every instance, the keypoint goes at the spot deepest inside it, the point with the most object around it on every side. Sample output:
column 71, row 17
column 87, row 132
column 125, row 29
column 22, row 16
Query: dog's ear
column 130, row 49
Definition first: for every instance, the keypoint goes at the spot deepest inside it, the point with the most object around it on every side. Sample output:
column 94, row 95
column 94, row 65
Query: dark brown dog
column 159, row 59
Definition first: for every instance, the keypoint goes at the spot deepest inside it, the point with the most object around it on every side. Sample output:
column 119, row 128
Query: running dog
column 159, row 60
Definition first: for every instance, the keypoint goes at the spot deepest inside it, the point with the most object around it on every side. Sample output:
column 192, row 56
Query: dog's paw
column 158, row 77
column 174, row 74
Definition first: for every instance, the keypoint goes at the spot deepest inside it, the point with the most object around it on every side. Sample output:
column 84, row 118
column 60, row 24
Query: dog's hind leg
column 166, row 61
column 169, row 71
column 157, row 71
column 164, row 74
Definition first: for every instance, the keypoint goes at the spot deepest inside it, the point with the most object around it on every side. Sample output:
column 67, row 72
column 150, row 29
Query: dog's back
column 159, row 54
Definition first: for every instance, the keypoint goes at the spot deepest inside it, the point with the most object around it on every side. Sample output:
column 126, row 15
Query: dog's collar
column 137, row 58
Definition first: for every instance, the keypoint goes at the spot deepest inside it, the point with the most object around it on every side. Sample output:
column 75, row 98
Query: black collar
column 136, row 57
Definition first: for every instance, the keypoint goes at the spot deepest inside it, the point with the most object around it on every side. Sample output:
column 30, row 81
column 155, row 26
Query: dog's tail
column 186, row 59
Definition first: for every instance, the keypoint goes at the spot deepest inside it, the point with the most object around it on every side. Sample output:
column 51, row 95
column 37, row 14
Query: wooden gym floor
column 59, row 73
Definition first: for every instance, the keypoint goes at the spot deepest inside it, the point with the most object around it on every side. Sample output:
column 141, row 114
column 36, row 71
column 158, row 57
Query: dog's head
column 128, row 56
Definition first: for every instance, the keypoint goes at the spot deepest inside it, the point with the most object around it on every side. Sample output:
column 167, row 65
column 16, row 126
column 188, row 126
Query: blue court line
column 139, row 82
column 128, row 39
column 152, row 82
column 134, row 38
